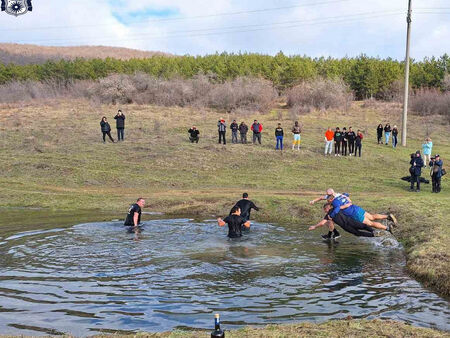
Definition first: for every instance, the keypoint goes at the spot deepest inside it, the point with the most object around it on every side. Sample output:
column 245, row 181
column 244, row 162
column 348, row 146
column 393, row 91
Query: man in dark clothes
column 106, row 129
column 246, row 206
column 133, row 218
column 344, row 141
column 257, row 130
column 347, row 223
column 193, row 132
column 351, row 137
column 120, row 124
column 337, row 142
column 222, row 128
column 436, row 172
column 235, row 223
column 416, row 170
column 243, row 129
column 234, row 131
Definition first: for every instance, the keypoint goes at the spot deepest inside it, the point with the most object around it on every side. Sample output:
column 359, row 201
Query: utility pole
column 405, row 98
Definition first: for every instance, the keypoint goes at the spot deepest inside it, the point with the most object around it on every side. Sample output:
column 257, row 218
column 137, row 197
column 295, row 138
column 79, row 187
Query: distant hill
column 25, row 54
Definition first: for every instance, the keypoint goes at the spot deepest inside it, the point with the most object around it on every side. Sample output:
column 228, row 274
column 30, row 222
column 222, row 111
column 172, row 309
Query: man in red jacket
column 257, row 129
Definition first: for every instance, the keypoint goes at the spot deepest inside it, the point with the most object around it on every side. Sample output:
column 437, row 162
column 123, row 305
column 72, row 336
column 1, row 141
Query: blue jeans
column 279, row 142
column 394, row 141
column 387, row 135
column 120, row 133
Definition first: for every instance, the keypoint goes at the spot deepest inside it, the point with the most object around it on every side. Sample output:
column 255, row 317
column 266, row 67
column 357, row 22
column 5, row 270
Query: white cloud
column 380, row 32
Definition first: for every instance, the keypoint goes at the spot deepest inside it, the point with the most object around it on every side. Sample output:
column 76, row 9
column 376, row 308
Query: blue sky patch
column 147, row 13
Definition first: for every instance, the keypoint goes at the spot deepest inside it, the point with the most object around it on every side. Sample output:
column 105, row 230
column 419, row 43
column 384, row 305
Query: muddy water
column 94, row 277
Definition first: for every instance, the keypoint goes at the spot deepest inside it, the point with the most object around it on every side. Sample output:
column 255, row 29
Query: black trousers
column 337, row 147
column 194, row 139
column 351, row 147
column 380, row 138
column 109, row 135
column 120, row 134
column 436, row 182
column 243, row 137
column 415, row 179
column 358, row 149
column 344, row 148
column 222, row 137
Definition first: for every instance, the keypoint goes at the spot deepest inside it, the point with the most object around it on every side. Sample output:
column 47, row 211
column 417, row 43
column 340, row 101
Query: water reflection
column 176, row 273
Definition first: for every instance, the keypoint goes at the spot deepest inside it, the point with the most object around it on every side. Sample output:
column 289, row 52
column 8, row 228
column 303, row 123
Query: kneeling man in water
column 134, row 214
column 349, row 224
column 235, row 223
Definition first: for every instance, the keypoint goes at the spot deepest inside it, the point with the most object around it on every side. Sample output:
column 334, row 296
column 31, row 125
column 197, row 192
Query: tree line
column 367, row 76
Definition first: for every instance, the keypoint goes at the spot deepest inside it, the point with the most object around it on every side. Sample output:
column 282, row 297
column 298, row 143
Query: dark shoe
column 336, row 234
column 326, row 237
column 392, row 218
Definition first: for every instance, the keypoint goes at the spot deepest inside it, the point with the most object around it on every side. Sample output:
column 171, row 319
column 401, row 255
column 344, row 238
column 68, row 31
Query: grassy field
column 53, row 157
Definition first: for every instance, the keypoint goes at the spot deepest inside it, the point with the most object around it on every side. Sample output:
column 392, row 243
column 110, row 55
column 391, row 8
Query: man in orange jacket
column 329, row 137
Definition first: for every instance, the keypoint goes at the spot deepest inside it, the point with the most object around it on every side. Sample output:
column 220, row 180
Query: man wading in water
column 246, row 206
column 133, row 218
column 235, row 223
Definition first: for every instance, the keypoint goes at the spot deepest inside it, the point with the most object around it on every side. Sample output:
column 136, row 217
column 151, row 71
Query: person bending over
column 246, row 206
column 106, row 129
column 193, row 134
column 235, row 223
column 346, row 223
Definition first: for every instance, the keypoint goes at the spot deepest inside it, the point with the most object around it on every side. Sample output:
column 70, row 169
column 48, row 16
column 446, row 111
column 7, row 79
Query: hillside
column 26, row 54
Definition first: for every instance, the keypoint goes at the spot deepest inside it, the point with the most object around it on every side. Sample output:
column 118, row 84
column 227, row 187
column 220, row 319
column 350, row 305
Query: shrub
column 320, row 94
column 431, row 102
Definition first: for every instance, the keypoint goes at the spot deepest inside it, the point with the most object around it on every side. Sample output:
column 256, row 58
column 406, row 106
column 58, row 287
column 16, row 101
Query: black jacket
column 105, row 126
column 395, row 132
column 351, row 136
column 416, row 166
column 379, row 131
column 243, row 129
column 246, row 206
column 194, row 132
column 234, row 126
column 279, row 132
column 120, row 121
column 344, row 137
column 387, row 129
column 337, row 136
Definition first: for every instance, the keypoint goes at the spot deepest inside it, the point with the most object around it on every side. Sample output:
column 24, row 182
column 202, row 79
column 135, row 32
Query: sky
column 316, row 28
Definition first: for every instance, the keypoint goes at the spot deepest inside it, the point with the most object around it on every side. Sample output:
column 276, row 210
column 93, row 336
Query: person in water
column 246, row 206
column 133, row 218
column 346, row 223
column 235, row 223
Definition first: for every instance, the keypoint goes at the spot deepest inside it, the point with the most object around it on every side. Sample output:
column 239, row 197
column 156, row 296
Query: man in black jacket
column 120, row 124
column 193, row 132
column 243, row 129
column 234, row 130
column 344, row 141
column 337, row 142
column 106, row 129
column 351, row 137
column 246, row 206
column 416, row 170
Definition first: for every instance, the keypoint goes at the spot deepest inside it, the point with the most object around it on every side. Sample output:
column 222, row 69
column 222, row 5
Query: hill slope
column 25, row 54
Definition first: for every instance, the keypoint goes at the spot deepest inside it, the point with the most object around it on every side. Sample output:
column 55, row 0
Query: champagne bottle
column 217, row 333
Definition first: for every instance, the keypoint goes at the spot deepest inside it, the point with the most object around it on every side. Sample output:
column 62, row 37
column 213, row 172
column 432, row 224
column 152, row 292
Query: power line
column 245, row 28
column 313, row 4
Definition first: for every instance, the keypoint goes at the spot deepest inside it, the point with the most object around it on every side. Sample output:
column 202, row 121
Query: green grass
column 52, row 157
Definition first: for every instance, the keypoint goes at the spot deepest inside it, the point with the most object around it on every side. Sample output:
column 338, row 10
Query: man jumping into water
column 348, row 224
column 235, row 223
column 246, row 206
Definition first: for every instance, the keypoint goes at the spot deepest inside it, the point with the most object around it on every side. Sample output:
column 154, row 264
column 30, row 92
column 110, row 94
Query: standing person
column 120, row 124
column 337, row 142
column 329, row 137
column 416, row 170
column 436, row 172
column 193, row 134
column 380, row 133
column 106, row 129
column 358, row 142
column 427, row 147
column 246, row 206
column 257, row 129
column 344, row 141
column 296, row 130
column 387, row 133
column 279, row 134
column 133, row 218
column 235, row 223
column 394, row 137
column 222, row 128
column 351, row 137
column 234, row 130
column 243, row 129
